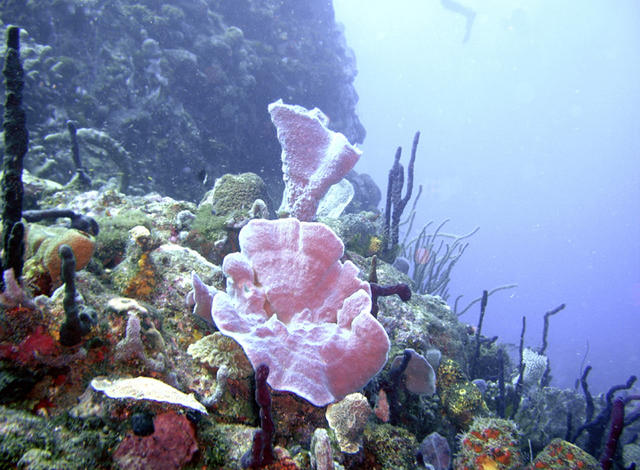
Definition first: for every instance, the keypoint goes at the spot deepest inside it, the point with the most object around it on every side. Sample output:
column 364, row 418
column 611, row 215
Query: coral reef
column 156, row 338
column 213, row 229
column 113, row 371
column 236, row 193
column 538, row 413
column 360, row 232
column 33, row 441
column 388, row 447
column 218, row 351
column 322, row 454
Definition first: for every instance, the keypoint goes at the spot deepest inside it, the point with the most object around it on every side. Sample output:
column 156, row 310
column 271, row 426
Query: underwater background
column 529, row 131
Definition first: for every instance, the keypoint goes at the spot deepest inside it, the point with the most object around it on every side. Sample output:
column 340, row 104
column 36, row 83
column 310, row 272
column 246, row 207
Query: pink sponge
column 291, row 304
column 313, row 157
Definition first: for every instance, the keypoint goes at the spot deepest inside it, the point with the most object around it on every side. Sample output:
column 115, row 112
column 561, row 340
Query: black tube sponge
column 16, row 140
column 75, row 324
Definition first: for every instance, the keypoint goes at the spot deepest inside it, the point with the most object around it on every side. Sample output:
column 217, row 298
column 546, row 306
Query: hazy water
column 530, row 130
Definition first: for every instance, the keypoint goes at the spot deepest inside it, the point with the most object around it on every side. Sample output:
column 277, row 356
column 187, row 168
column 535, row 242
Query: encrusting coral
column 145, row 388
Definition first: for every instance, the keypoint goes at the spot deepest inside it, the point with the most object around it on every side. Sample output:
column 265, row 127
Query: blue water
column 530, row 130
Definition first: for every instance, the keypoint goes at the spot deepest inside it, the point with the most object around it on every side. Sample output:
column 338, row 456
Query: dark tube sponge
column 261, row 452
column 75, row 324
column 16, row 140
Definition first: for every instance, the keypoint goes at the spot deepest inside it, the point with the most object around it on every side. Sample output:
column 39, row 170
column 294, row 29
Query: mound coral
column 291, row 304
column 489, row 444
column 560, row 454
column 348, row 418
